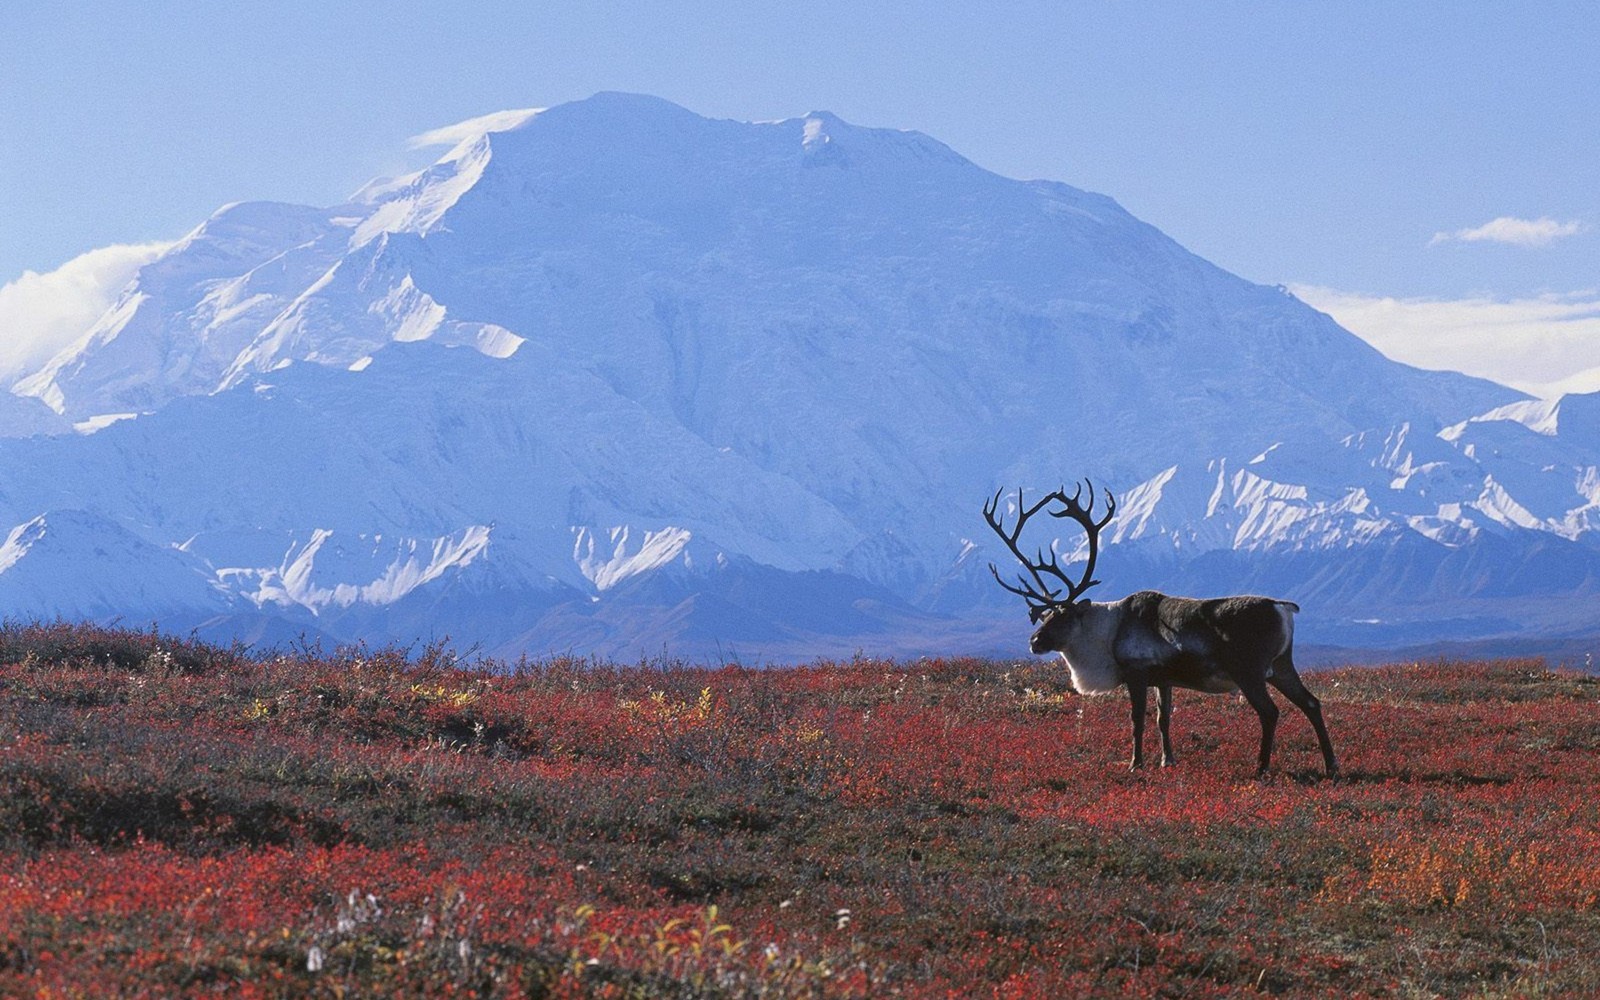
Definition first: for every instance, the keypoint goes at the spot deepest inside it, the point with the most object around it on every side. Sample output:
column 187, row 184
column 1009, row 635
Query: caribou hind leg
column 1285, row 679
column 1255, row 692
column 1164, row 722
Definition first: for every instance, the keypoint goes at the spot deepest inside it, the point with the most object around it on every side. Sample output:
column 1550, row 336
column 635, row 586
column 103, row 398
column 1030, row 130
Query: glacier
column 614, row 378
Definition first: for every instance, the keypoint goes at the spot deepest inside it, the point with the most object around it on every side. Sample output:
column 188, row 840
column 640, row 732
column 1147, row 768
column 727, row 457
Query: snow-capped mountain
column 613, row 377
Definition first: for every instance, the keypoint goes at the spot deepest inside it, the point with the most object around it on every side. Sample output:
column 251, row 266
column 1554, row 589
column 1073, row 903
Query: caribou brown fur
column 1150, row 640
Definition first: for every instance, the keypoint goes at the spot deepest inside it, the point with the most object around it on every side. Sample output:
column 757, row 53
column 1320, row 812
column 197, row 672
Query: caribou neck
column 1090, row 648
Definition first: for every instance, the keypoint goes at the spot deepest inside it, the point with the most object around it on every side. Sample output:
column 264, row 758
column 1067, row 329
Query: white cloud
column 1545, row 345
column 454, row 135
column 42, row 313
column 1516, row 232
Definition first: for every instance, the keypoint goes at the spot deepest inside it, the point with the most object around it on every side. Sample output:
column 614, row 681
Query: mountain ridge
column 615, row 341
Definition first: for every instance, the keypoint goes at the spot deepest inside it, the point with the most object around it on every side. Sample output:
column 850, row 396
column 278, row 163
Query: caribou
column 1148, row 639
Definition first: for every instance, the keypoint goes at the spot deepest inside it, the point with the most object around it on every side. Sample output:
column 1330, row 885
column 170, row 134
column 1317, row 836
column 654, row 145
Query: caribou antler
column 1044, row 596
column 1091, row 527
column 1039, row 594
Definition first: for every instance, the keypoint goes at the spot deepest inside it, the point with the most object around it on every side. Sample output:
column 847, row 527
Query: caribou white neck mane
column 1089, row 652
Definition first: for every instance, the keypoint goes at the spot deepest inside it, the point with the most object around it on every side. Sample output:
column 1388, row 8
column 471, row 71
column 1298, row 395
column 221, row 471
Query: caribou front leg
column 1139, row 695
column 1164, row 722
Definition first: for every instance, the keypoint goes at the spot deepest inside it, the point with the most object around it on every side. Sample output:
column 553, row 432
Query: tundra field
column 182, row 820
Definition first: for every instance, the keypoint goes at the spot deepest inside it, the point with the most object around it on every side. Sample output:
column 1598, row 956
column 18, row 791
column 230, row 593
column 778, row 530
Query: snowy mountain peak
column 724, row 378
column 463, row 135
column 825, row 131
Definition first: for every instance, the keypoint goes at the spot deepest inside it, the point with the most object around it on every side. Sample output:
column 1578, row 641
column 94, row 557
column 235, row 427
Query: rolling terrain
column 182, row 820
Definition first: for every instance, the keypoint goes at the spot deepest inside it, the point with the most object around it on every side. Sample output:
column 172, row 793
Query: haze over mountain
column 615, row 378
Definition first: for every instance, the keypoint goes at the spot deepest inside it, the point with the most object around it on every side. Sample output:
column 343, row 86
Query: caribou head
column 1148, row 639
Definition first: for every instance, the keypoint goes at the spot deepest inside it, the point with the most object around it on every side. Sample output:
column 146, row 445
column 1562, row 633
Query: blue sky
column 1417, row 165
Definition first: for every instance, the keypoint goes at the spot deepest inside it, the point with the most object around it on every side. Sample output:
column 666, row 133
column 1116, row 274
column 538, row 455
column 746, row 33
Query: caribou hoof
column 1169, row 761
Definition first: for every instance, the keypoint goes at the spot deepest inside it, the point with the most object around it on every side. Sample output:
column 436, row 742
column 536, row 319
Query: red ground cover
column 177, row 819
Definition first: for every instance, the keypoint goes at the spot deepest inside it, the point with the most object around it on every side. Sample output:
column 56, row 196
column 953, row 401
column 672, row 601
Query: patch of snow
column 1538, row 415
column 1498, row 506
column 314, row 576
column 606, row 564
column 101, row 422
column 20, row 540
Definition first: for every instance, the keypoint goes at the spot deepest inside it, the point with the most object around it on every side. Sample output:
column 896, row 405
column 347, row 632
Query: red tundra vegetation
column 183, row 820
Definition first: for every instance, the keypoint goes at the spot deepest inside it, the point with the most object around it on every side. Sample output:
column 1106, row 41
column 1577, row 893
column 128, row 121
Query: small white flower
column 314, row 959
